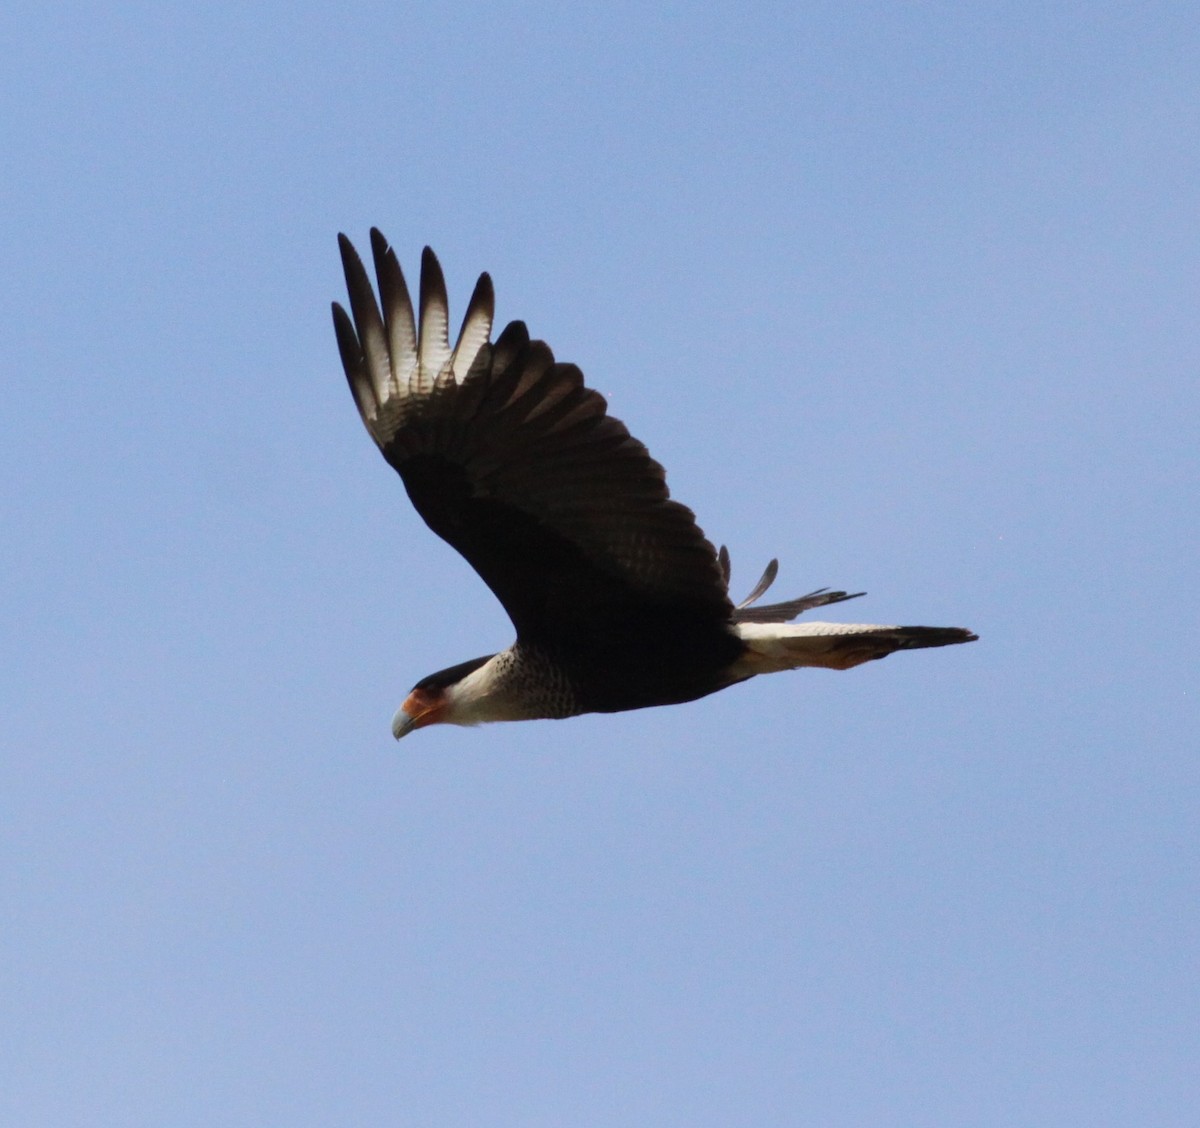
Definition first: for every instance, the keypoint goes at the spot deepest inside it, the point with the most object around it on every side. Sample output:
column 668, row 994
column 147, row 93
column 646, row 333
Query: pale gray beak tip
column 402, row 724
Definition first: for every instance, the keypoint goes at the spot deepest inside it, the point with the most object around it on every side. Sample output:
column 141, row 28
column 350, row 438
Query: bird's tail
column 833, row 646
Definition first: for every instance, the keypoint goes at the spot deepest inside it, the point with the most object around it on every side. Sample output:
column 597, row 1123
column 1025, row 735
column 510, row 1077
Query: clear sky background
column 903, row 294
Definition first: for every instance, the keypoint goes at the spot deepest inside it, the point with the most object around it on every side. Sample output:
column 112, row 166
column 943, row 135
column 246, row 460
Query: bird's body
column 618, row 600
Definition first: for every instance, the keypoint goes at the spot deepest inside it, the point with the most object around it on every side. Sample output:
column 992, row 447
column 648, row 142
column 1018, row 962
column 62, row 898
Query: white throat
column 486, row 694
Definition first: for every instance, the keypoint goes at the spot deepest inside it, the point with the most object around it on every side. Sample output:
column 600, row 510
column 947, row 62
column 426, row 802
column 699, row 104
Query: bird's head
column 450, row 696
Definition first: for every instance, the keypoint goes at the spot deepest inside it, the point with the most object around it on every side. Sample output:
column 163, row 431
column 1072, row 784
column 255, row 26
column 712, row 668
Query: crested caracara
column 618, row 599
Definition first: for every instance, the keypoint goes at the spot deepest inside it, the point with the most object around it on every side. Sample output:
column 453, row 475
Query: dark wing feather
column 777, row 612
column 764, row 582
column 789, row 609
column 513, row 461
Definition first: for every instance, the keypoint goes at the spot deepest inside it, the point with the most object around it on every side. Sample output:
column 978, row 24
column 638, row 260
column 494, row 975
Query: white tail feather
column 833, row 646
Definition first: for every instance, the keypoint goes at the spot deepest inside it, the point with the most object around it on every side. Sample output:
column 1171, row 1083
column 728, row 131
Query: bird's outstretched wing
column 513, row 461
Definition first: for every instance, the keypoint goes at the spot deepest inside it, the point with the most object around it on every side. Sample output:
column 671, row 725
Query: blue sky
column 904, row 295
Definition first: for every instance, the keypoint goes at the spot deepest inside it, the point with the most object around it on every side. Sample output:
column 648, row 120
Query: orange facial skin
column 421, row 708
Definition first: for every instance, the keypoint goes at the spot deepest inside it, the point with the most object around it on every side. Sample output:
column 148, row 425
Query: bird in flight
column 618, row 599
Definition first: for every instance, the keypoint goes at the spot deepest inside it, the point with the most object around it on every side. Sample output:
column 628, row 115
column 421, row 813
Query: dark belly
column 652, row 664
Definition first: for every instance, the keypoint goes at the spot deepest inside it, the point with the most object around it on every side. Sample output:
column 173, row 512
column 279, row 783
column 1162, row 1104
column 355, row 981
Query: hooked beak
column 420, row 708
column 402, row 723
